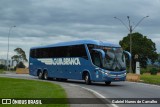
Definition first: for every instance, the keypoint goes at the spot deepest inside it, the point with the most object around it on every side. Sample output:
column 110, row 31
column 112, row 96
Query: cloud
column 51, row 21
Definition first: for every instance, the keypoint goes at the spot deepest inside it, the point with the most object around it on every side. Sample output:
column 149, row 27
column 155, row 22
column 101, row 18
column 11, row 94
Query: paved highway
column 125, row 90
column 118, row 90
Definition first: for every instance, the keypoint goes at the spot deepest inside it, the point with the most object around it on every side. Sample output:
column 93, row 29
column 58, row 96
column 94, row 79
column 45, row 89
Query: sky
column 42, row 22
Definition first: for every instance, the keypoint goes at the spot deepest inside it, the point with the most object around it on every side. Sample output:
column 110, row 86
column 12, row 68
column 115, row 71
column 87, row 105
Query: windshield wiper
column 115, row 61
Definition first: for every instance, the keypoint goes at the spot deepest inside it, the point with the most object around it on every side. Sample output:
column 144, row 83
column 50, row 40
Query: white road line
column 94, row 92
column 144, row 84
column 98, row 94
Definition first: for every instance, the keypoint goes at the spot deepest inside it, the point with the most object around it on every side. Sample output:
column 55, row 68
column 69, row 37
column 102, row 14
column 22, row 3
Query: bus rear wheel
column 45, row 75
column 40, row 75
column 107, row 82
column 87, row 79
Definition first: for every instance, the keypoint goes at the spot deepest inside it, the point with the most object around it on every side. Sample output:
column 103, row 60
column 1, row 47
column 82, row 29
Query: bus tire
column 107, row 82
column 46, row 75
column 87, row 79
column 63, row 79
column 40, row 75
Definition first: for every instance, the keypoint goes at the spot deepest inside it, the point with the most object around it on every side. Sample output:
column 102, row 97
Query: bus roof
column 78, row 42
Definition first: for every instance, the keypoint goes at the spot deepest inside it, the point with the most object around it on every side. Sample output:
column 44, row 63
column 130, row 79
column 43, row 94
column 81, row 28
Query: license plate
column 116, row 79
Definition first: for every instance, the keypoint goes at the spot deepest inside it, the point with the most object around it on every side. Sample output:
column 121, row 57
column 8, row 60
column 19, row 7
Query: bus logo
column 61, row 61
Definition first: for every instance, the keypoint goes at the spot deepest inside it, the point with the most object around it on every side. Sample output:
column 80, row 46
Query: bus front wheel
column 87, row 79
column 107, row 82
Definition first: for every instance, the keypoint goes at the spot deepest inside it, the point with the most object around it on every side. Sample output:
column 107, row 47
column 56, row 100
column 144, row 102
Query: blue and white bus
column 89, row 60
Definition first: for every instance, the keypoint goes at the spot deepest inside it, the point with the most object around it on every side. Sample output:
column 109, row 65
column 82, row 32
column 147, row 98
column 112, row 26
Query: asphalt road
column 117, row 90
column 126, row 90
column 123, row 90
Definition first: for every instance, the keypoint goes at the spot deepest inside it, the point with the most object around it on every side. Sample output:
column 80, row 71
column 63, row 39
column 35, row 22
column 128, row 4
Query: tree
column 2, row 66
column 20, row 65
column 15, row 58
column 144, row 47
column 21, row 56
column 158, row 60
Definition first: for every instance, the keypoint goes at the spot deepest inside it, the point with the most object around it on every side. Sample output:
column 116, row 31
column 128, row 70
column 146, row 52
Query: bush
column 153, row 71
column 20, row 65
column 144, row 70
column 2, row 66
column 13, row 69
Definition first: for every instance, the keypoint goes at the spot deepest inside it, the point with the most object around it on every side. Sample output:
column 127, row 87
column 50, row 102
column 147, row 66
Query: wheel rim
column 45, row 76
column 86, row 78
column 40, row 74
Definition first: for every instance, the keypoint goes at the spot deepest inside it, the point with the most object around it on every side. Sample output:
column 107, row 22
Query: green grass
column 148, row 69
column 1, row 71
column 151, row 79
column 20, row 88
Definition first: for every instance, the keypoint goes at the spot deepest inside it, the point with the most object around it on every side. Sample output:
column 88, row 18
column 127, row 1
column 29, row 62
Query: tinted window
column 32, row 53
column 77, row 51
column 64, row 51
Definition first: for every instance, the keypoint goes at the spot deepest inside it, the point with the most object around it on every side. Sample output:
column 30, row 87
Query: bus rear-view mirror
column 128, row 54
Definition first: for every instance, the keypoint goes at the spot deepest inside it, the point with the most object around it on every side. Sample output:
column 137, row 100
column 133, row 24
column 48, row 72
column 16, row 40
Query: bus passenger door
column 97, row 61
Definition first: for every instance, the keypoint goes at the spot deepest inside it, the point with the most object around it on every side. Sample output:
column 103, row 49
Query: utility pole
column 8, row 62
column 130, row 28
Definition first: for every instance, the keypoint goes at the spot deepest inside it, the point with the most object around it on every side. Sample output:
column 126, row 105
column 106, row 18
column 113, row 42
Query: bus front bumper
column 114, row 77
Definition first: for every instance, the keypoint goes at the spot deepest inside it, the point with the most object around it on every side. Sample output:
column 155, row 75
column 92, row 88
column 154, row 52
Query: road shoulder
column 73, row 91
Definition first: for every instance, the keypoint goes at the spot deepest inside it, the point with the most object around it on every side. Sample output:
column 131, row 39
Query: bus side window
column 32, row 53
column 78, row 51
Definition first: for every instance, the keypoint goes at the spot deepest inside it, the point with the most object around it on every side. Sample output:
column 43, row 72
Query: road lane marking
column 98, row 94
column 143, row 84
column 95, row 92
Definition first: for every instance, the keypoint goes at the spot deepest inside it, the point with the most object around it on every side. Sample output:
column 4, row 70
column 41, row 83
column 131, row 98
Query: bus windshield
column 114, row 59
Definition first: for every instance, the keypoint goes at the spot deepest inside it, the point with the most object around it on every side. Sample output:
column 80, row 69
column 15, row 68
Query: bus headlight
column 107, row 73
